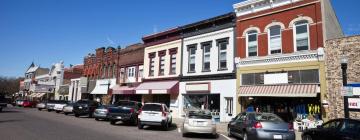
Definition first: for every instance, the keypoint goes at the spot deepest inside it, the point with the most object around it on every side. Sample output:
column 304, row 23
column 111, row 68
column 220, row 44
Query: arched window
column 252, row 43
column 301, row 32
column 114, row 71
column 104, row 72
column 109, row 71
column 274, row 37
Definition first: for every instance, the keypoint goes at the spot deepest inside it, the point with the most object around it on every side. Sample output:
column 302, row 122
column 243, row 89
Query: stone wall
column 334, row 49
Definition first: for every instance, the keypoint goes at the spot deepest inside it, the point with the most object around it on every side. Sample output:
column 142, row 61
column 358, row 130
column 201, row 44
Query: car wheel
column 245, row 136
column 90, row 115
column 229, row 132
column 39, row 109
column 97, row 119
column 49, row 110
column 77, row 115
column 112, row 122
column 184, row 135
column 57, row 111
column 66, row 113
column 140, row 126
column 306, row 137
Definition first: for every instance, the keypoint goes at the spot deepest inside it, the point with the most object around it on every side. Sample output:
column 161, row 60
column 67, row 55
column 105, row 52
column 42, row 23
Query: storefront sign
column 276, row 78
column 197, row 87
column 346, row 91
column 354, row 103
column 356, row 91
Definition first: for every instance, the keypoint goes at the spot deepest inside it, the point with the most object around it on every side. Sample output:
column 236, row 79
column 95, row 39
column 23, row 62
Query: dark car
column 255, row 126
column 337, row 129
column 125, row 111
column 3, row 102
column 85, row 107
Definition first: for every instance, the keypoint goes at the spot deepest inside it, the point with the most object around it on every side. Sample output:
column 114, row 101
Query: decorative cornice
column 302, row 56
column 208, row 77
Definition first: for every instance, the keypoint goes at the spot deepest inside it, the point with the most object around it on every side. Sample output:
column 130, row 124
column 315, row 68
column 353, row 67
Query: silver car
column 101, row 113
column 199, row 121
column 68, row 108
column 256, row 126
column 41, row 105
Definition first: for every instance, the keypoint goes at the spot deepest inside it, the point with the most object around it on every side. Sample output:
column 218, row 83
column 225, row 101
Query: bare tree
column 9, row 85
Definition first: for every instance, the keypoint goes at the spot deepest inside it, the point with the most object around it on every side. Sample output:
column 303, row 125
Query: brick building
column 280, row 64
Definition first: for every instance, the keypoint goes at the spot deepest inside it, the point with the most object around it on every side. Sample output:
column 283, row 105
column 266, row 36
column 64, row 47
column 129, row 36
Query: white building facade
column 208, row 78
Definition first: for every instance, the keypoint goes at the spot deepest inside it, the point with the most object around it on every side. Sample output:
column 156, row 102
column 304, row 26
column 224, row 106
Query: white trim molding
column 302, row 56
column 266, row 29
column 251, row 28
column 292, row 22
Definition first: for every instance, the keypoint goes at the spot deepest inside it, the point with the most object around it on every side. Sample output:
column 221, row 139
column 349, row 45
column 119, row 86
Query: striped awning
column 286, row 90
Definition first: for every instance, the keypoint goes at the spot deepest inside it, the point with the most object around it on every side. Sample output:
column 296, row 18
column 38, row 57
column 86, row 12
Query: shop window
column 229, row 105
column 294, row 76
column 274, row 34
column 309, row 76
column 302, row 35
column 247, row 79
column 252, row 43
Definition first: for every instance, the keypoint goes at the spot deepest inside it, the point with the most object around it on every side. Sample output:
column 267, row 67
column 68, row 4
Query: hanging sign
column 346, row 91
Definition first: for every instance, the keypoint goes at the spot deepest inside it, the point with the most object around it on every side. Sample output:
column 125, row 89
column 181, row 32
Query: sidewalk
column 222, row 127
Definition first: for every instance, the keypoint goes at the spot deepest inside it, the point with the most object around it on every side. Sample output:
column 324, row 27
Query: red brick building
column 280, row 57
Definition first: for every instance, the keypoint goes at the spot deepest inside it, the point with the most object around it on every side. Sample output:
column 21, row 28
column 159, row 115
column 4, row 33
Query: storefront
column 102, row 88
column 42, row 92
column 216, row 96
column 125, row 92
column 160, row 92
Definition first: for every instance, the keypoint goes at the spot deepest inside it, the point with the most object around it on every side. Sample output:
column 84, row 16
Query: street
column 30, row 124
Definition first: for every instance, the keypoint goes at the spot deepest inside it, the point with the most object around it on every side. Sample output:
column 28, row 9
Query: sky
column 48, row 31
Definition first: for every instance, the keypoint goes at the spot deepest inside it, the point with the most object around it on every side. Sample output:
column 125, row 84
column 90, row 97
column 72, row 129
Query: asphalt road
column 30, row 124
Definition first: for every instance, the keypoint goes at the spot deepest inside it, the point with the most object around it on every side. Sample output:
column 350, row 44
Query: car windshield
column 125, row 103
column 199, row 115
column 151, row 107
column 267, row 117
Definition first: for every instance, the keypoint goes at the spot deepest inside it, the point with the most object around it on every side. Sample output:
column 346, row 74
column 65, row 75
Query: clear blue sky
column 47, row 31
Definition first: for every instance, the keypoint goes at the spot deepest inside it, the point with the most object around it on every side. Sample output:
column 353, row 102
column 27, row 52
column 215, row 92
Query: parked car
column 125, row 111
column 28, row 103
column 3, row 102
column 101, row 113
column 41, row 105
column 50, row 105
column 85, row 107
column 59, row 105
column 68, row 108
column 155, row 114
column 253, row 126
column 199, row 121
column 19, row 102
column 337, row 129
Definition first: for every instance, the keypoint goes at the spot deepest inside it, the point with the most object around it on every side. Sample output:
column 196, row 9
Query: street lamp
column 344, row 62
column 108, row 88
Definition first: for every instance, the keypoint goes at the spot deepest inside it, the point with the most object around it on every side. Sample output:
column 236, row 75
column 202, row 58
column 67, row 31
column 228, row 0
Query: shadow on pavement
column 11, row 111
column 201, row 136
column 8, row 121
column 159, row 128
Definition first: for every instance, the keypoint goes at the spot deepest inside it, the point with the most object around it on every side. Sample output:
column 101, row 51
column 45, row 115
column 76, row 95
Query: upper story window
column 131, row 72
column 252, row 43
column 104, row 72
column 151, row 64
column 122, row 74
column 191, row 59
column 114, row 71
column 172, row 53
column 140, row 74
column 162, row 62
column 275, row 39
column 301, row 35
column 222, row 52
column 206, row 56
column 109, row 72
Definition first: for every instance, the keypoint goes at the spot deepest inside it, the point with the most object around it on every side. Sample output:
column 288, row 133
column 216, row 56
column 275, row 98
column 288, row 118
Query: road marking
column 179, row 130
column 226, row 137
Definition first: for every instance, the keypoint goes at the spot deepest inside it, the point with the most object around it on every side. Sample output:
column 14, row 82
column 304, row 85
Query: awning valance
column 103, row 85
column 161, row 87
column 286, row 90
column 123, row 90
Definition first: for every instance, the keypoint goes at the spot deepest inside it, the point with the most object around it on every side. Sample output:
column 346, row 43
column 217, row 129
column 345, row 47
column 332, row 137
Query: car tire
column 140, row 126
column 39, row 109
column 57, row 111
column 96, row 119
column 65, row 113
column 229, row 132
column 0, row 109
column 90, row 115
column 112, row 122
column 306, row 137
column 184, row 135
column 49, row 110
column 245, row 136
column 77, row 115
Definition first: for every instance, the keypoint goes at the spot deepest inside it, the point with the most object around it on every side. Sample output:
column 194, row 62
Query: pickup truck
column 3, row 102
column 125, row 111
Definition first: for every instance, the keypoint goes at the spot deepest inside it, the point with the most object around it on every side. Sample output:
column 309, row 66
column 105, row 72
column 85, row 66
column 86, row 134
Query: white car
column 155, row 114
column 59, row 105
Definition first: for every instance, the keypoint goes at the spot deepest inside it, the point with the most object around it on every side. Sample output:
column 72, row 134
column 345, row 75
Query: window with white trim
column 172, row 63
column 192, row 52
column 206, row 57
column 104, row 72
column 131, row 72
column 114, row 71
column 222, row 46
column 302, row 35
column 252, row 43
column 229, row 105
column 161, row 65
column 274, row 33
column 152, row 67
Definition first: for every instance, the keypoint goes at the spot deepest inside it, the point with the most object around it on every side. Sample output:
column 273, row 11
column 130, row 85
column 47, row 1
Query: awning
column 40, row 95
column 161, row 87
column 103, row 85
column 123, row 89
column 286, row 90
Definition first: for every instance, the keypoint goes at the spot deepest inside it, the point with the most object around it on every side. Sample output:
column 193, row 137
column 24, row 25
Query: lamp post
column 108, row 87
column 344, row 62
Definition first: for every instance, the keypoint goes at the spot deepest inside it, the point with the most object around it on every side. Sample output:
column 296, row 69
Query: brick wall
column 350, row 46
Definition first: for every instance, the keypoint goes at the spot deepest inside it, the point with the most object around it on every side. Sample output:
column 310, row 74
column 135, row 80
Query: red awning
column 160, row 87
column 286, row 90
column 123, row 90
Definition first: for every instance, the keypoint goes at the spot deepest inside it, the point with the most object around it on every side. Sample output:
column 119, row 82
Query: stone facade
column 334, row 49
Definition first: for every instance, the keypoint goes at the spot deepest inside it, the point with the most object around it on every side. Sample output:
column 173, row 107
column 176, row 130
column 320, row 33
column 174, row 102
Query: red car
column 28, row 103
